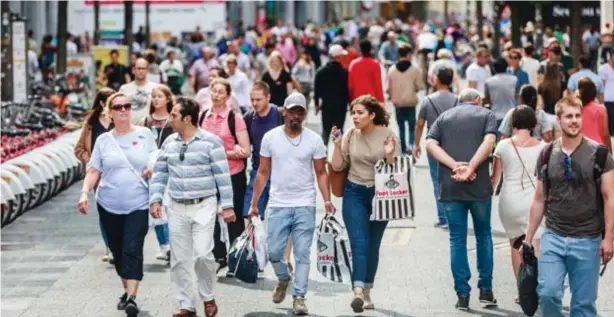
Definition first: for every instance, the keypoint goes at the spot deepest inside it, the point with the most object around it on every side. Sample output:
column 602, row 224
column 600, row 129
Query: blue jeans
column 456, row 213
column 162, row 234
column 434, row 170
column 407, row 114
column 249, row 192
column 365, row 235
column 300, row 222
column 578, row 257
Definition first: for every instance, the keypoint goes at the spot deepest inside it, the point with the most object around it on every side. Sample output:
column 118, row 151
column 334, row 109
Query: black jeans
column 235, row 229
column 126, row 236
column 609, row 106
column 329, row 119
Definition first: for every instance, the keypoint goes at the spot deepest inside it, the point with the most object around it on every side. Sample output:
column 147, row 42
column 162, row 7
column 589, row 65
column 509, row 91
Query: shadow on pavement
column 317, row 288
column 155, row 268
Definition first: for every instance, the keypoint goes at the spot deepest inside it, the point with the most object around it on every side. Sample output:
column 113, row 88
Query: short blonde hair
column 573, row 102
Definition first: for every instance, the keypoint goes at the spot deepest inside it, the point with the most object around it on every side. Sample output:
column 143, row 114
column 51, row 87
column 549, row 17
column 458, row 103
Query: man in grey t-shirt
column 567, row 195
column 500, row 90
column 461, row 139
column 432, row 106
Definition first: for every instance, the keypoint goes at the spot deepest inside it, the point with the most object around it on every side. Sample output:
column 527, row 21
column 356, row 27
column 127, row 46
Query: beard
column 571, row 132
column 295, row 125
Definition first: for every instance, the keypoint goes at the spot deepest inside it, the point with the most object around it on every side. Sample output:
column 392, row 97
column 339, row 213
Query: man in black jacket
column 331, row 93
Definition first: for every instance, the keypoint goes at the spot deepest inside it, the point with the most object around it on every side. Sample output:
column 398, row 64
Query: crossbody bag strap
column 125, row 158
column 434, row 107
column 523, row 166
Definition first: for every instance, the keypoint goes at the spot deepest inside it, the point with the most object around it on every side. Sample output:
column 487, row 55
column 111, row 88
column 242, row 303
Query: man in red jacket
column 365, row 75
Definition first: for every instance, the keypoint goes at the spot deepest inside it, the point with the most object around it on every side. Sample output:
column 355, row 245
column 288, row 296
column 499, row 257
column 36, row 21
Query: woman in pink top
column 594, row 115
column 238, row 149
column 203, row 97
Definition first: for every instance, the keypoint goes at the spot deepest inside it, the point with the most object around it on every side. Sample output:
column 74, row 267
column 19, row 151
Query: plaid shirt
column 202, row 173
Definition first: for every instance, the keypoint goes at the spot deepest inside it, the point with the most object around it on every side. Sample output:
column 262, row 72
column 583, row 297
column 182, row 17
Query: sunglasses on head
column 124, row 107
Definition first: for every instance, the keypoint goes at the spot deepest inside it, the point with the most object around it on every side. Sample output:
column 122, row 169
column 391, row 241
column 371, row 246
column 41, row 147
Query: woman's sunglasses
column 124, row 107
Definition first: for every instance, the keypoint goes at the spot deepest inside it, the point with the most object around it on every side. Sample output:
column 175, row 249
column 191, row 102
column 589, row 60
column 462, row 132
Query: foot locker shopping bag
column 394, row 190
column 334, row 254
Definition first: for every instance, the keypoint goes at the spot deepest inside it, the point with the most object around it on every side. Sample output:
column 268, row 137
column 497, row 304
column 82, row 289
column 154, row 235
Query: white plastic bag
column 163, row 218
column 260, row 237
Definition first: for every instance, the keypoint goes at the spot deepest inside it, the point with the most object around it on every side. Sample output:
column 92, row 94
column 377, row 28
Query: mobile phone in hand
column 337, row 134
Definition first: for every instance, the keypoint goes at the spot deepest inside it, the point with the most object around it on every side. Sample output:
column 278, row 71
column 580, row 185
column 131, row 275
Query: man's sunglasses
column 124, row 107
column 514, row 57
column 567, row 161
column 184, row 148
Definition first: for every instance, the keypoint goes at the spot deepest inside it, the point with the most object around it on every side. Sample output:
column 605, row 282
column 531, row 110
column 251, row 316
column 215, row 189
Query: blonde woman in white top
column 517, row 157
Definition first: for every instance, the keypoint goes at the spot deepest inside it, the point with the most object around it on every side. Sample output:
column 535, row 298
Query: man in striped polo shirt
column 192, row 163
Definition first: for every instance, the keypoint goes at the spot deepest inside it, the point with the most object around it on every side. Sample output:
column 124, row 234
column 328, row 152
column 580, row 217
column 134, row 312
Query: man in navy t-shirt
column 263, row 118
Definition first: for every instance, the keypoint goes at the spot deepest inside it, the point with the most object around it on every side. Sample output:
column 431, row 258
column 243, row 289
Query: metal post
column 96, row 22
column 147, row 25
column 128, row 35
column 60, row 63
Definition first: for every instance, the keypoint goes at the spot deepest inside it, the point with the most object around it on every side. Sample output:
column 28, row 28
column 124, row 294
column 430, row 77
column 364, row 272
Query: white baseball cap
column 295, row 99
column 336, row 50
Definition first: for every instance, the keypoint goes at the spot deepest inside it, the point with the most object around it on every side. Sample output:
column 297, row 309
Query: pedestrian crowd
column 199, row 169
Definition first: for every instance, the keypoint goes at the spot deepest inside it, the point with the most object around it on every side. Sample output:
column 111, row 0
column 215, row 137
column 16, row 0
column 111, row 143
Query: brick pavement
column 51, row 267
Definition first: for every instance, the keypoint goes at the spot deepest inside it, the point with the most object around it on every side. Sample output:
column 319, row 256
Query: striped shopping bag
column 394, row 190
column 334, row 254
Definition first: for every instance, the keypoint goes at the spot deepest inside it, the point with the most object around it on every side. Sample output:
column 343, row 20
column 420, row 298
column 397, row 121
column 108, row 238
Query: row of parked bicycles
column 38, row 137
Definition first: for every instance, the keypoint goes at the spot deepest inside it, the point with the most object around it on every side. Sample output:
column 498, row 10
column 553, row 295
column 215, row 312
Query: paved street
column 51, row 267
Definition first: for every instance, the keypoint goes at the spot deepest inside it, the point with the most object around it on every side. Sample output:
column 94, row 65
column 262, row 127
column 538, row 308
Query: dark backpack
column 600, row 159
column 231, row 126
column 248, row 117
column 231, row 123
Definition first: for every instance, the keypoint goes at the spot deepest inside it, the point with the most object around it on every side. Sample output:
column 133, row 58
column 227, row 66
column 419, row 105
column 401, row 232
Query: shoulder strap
column 280, row 118
column 125, row 158
column 202, row 118
column 145, row 123
column 600, row 158
column 545, row 159
column 434, row 107
column 232, row 125
column 523, row 166
column 248, row 117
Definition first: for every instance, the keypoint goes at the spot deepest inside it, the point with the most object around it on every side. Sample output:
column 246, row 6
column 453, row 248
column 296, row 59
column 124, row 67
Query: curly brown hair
column 372, row 106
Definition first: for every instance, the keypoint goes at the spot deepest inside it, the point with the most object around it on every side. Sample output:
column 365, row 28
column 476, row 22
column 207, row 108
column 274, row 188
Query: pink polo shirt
column 592, row 122
column 217, row 123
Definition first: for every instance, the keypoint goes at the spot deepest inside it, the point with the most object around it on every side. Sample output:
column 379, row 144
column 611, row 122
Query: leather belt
column 189, row 201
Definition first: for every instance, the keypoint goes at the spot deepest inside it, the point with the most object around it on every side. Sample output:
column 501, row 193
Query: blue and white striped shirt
column 203, row 172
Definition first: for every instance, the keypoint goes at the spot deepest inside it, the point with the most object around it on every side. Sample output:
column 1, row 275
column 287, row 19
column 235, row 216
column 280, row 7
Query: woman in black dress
column 278, row 78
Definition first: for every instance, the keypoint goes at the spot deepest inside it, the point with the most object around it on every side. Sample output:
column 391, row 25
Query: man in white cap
column 290, row 154
column 331, row 93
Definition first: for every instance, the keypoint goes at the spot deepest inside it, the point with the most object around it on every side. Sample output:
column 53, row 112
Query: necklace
column 300, row 138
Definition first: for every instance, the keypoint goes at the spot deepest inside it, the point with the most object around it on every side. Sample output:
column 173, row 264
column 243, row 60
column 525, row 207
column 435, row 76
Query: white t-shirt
column 478, row 74
column 140, row 98
column 606, row 72
column 531, row 66
column 292, row 175
column 427, row 40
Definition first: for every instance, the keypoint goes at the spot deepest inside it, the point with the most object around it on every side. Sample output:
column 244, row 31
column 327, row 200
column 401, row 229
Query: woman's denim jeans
column 578, row 257
column 457, row 213
column 365, row 235
column 162, row 234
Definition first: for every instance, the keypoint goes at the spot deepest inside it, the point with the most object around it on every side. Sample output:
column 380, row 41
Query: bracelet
column 328, row 202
